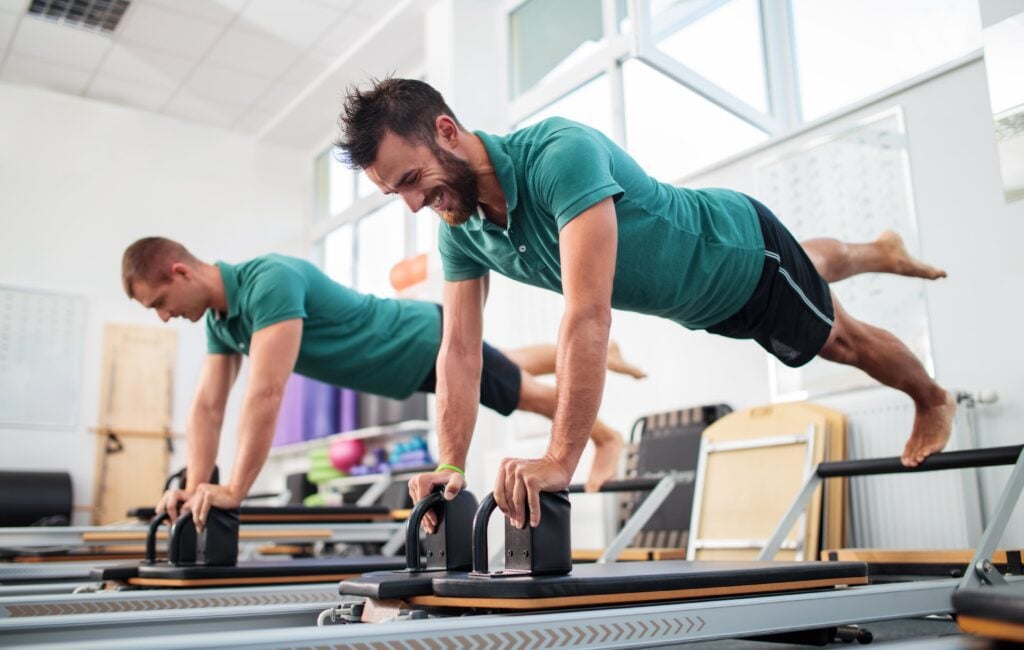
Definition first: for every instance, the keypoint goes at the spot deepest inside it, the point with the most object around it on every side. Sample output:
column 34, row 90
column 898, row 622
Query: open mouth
column 438, row 203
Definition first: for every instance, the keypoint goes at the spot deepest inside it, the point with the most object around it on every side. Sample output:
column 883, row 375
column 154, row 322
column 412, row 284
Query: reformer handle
column 412, row 531
column 480, row 521
column 947, row 460
column 154, row 526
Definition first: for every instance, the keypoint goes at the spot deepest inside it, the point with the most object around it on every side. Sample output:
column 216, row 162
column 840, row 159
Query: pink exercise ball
column 346, row 453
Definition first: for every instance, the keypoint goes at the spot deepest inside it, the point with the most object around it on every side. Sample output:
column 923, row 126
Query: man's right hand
column 170, row 502
column 422, row 484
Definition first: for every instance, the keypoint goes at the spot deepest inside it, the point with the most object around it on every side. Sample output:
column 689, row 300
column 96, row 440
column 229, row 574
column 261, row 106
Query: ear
column 181, row 269
column 447, row 131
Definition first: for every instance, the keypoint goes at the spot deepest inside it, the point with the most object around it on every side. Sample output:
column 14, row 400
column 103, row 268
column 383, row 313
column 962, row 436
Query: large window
column 721, row 41
column 682, row 84
column 682, row 131
column 359, row 233
column 587, row 104
column 380, row 245
column 848, row 50
column 549, row 35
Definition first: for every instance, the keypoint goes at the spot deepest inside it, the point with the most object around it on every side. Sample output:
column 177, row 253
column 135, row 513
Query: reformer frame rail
column 981, row 570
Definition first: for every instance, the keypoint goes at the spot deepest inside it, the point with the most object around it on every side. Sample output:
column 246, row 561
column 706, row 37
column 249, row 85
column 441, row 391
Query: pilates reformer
column 203, row 560
column 90, row 615
column 579, row 610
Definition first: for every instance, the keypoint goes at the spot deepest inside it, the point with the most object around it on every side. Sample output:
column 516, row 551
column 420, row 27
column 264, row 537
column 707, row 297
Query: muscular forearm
column 582, row 355
column 458, row 394
column 203, row 438
column 255, row 436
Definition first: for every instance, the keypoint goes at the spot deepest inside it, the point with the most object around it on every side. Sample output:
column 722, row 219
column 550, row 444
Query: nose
column 414, row 200
column 164, row 314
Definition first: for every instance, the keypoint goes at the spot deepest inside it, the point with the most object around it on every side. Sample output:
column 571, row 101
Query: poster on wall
column 41, row 338
column 852, row 185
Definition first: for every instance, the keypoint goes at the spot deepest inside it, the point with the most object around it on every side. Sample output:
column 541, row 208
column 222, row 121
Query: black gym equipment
column 35, row 498
column 996, row 614
column 446, row 550
column 294, row 514
column 209, row 559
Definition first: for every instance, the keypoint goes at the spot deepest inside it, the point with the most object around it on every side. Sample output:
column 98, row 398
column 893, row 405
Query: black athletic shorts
column 500, row 380
column 790, row 312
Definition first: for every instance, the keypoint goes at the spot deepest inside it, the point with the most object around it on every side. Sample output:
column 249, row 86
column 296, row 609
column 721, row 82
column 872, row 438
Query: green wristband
column 453, row 468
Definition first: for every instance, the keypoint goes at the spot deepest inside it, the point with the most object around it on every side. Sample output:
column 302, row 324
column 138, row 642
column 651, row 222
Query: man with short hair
column 560, row 206
column 286, row 315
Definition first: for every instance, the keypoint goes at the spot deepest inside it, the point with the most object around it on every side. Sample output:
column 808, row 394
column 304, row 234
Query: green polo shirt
column 376, row 345
column 693, row 256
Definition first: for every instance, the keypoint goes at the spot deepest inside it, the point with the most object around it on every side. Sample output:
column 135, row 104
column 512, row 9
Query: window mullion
column 780, row 62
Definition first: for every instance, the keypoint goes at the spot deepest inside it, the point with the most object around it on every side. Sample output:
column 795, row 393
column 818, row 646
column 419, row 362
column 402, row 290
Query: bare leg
column 540, row 398
column 836, row 260
column 887, row 359
column 540, row 360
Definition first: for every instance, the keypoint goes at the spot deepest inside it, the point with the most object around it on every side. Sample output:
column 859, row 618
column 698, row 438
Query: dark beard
column 461, row 186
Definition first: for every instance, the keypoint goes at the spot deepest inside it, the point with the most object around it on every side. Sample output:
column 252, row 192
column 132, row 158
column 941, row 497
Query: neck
column 492, row 197
column 209, row 275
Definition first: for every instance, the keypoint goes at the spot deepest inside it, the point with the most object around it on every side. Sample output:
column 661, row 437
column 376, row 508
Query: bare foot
column 606, row 461
column 892, row 246
column 617, row 364
column 932, row 426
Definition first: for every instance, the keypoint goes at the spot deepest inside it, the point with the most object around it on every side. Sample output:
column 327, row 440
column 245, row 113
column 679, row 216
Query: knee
column 840, row 346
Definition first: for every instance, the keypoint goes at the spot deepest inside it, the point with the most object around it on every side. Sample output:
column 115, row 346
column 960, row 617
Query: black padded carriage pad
column 297, row 514
column 386, row 585
column 120, row 572
column 1004, row 604
column 662, row 576
column 286, row 569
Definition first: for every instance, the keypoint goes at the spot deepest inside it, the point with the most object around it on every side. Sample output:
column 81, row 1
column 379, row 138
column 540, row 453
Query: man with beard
column 560, row 206
column 287, row 315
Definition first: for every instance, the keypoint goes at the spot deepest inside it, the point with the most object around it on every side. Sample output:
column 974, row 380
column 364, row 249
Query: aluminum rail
column 642, row 626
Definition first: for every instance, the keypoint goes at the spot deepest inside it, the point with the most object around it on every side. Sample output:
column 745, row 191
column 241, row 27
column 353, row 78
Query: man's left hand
column 208, row 495
column 520, row 482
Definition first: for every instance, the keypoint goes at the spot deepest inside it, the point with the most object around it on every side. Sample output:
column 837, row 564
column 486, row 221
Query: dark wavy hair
column 405, row 107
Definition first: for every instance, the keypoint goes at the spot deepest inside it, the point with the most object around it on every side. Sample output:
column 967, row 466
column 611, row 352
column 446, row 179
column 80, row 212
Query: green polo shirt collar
column 229, row 275
column 506, row 173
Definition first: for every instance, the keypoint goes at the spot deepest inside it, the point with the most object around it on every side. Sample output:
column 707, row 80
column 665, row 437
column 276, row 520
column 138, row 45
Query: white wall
column 79, row 181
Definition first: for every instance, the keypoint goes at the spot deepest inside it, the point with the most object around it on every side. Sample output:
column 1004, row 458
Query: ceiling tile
column 21, row 69
column 298, row 22
column 132, row 62
column 340, row 5
column 277, row 97
column 14, row 6
column 255, row 53
column 129, row 93
column 169, row 31
column 48, row 41
column 374, row 9
column 200, row 109
column 344, row 33
column 307, row 69
column 224, row 85
column 7, row 24
column 221, row 12
column 252, row 121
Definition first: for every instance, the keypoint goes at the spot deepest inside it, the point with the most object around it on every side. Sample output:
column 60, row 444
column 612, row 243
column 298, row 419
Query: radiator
column 927, row 510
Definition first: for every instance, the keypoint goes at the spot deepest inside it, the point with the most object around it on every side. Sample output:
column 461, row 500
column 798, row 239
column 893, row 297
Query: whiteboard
column 41, row 339
column 851, row 185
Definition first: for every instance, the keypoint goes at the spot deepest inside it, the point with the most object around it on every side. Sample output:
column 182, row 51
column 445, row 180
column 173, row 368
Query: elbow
column 596, row 316
column 268, row 394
